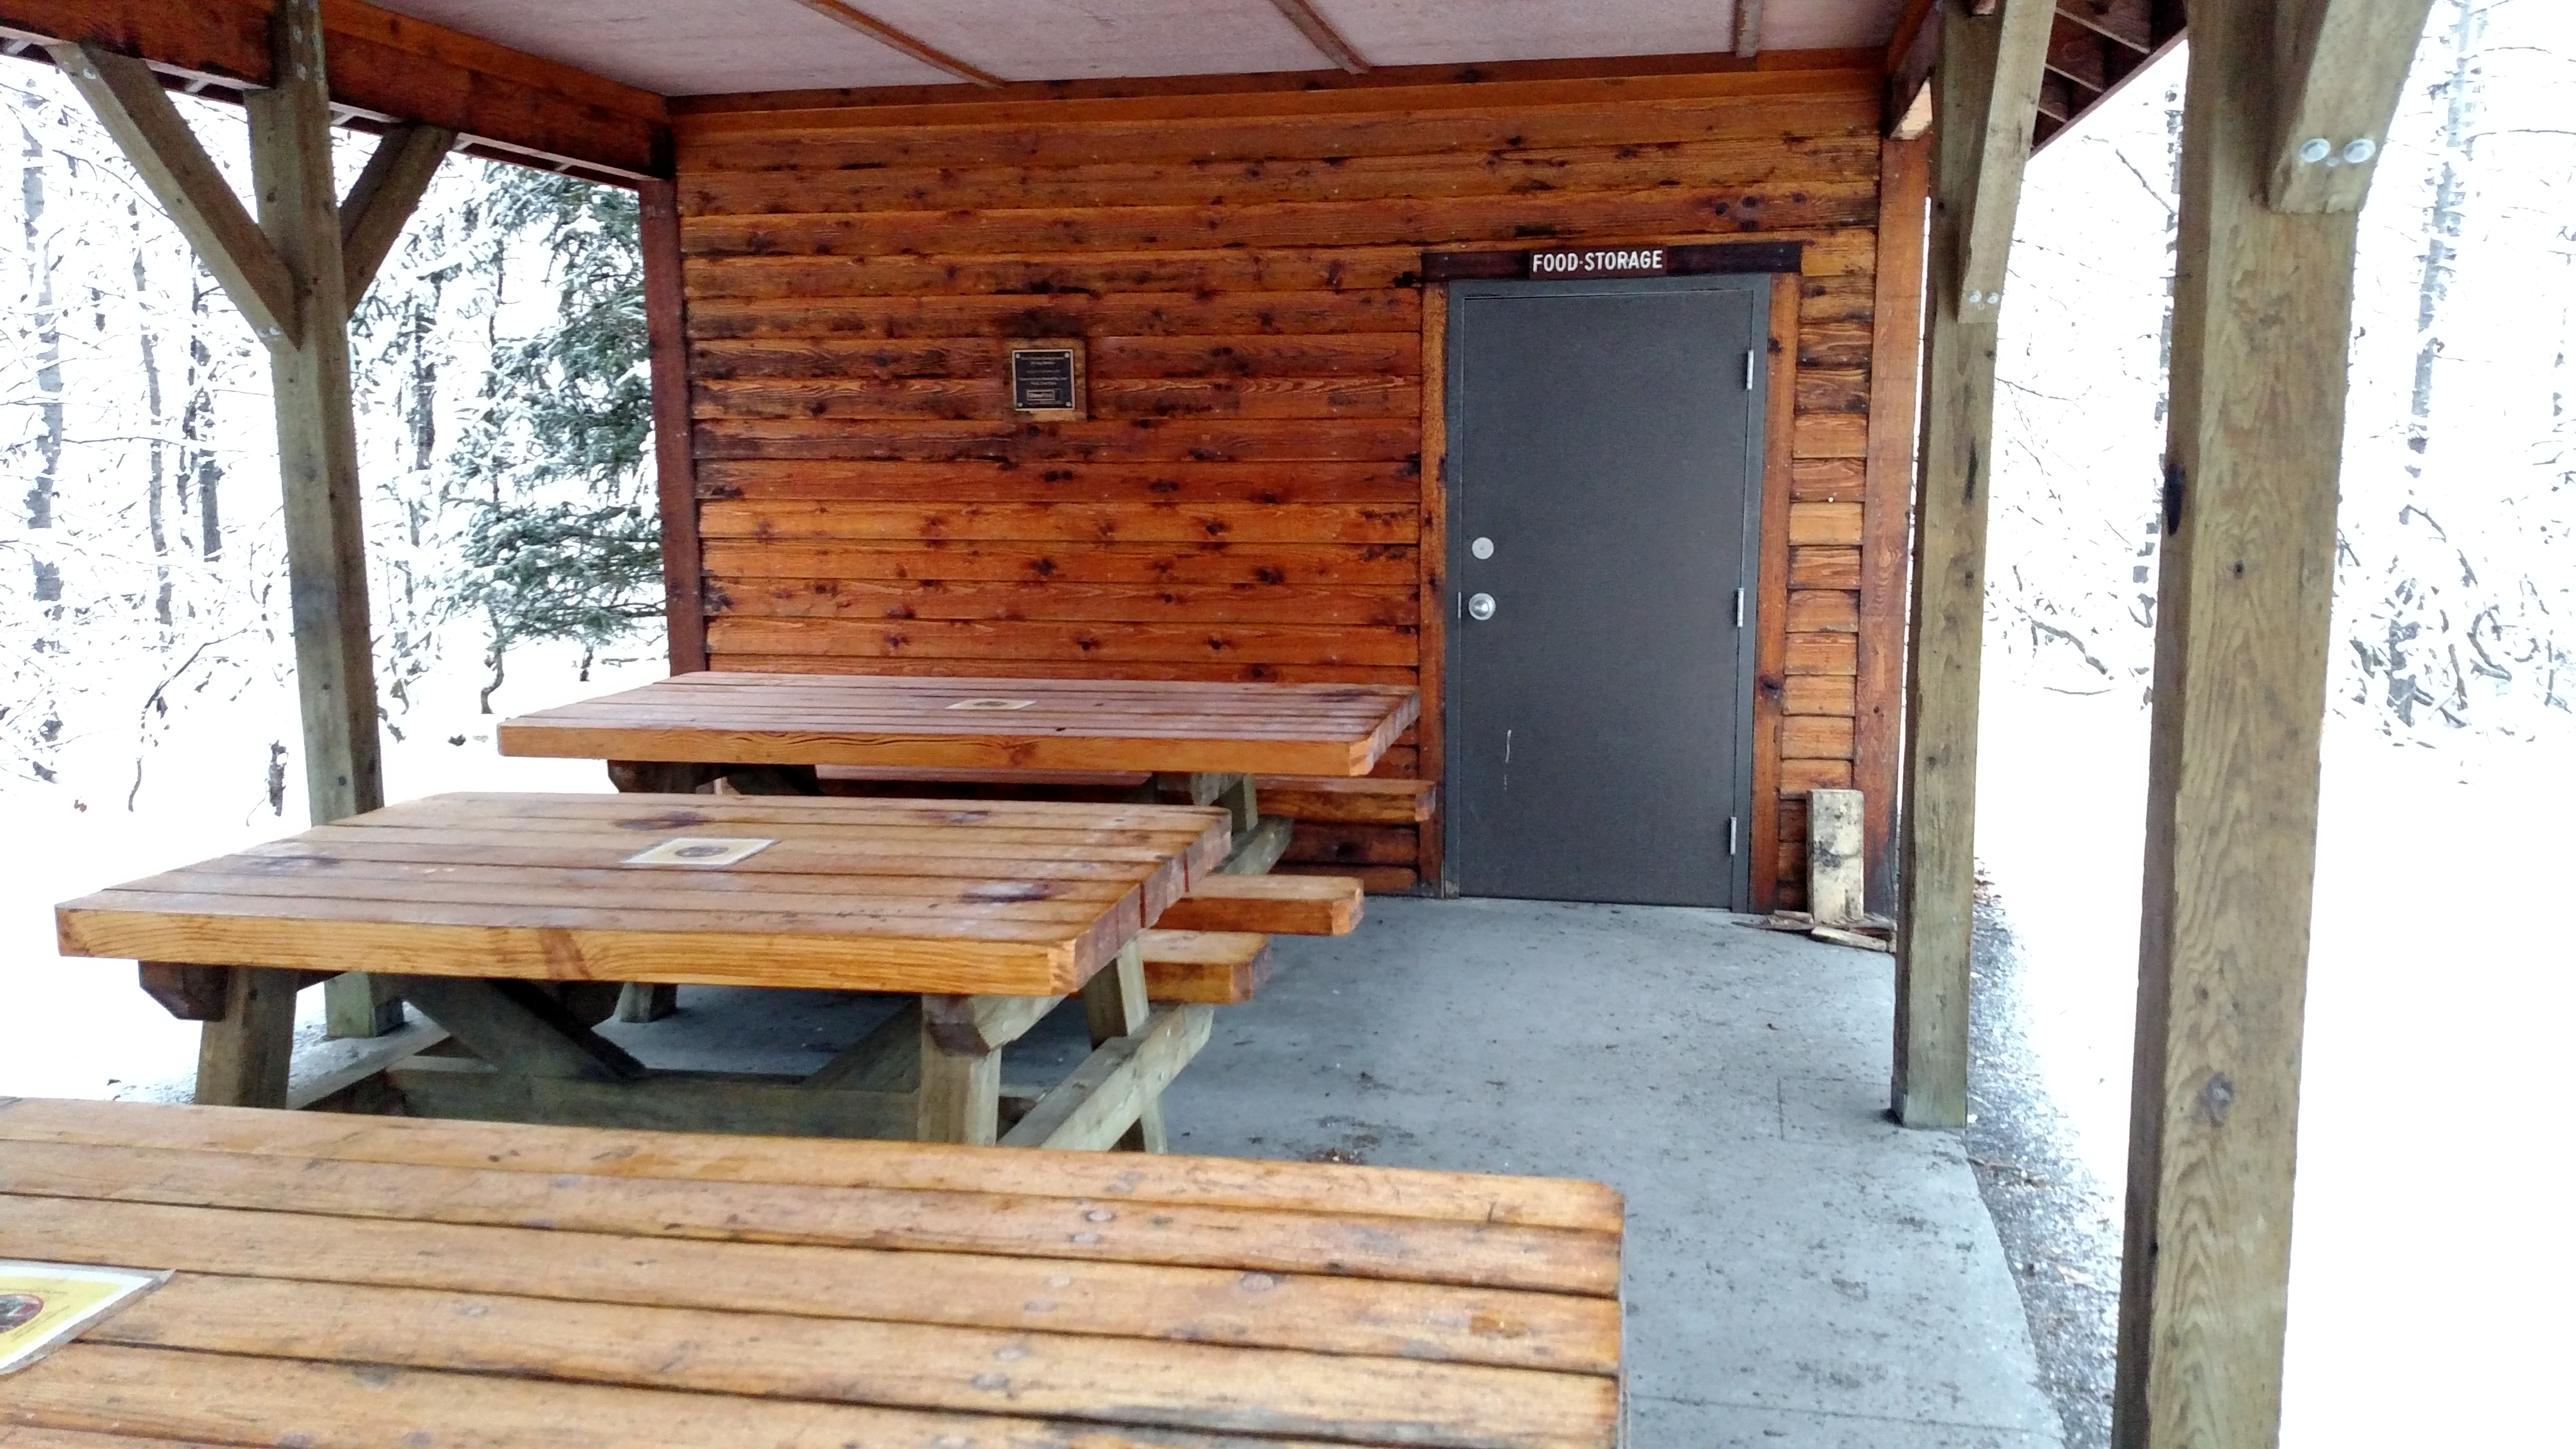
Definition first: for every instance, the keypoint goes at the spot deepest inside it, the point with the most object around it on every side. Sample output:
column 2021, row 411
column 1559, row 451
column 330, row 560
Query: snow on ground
column 74, row 1027
column 2429, row 1253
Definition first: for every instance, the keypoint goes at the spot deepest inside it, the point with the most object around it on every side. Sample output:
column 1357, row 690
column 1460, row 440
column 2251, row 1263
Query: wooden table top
column 357, row 1280
column 1005, row 898
column 996, row 724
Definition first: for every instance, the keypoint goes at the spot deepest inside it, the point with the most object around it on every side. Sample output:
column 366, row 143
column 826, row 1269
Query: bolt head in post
column 2316, row 150
column 2360, row 151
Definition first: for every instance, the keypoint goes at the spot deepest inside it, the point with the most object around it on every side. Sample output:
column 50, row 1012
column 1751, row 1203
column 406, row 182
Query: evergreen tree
column 569, row 406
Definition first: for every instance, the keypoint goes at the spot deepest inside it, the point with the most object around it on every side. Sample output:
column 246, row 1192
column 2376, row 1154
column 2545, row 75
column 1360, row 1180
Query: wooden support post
column 317, row 455
column 1113, row 1002
column 1985, row 94
column 2262, row 320
column 674, row 438
column 1887, row 506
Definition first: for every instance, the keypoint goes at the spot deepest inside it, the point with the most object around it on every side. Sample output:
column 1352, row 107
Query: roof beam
column 1911, row 54
column 2020, row 58
column 386, row 67
column 175, row 168
column 384, row 197
column 1320, row 33
column 2341, row 64
column 886, row 35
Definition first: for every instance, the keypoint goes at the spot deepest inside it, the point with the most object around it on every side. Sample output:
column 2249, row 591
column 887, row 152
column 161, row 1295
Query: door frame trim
column 1768, row 492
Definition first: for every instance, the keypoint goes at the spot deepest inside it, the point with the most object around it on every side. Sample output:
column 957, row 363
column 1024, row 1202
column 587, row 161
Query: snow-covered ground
column 81, row 1028
column 2430, row 1258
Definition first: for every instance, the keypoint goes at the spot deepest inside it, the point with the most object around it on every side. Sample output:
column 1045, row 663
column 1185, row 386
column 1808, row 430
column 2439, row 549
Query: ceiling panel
column 684, row 47
column 1828, row 24
column 1451, row 32
column 698, row 47
column 1086, row 39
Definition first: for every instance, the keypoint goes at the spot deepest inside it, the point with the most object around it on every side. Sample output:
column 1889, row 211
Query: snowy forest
column 2456, row 602
column 504, row 431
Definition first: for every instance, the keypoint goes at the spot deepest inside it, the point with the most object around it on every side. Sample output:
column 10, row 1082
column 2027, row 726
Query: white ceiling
column 1097, row 39
column 699, row 47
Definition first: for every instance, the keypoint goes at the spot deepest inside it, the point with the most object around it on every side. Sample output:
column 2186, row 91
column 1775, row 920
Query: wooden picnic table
column 989, row 914
column 385, row 1281
column 770, row 732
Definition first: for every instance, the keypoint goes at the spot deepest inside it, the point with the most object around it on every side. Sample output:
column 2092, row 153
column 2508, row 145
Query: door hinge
column 1730, row 837
column 1748, row 369
column 1739, row 608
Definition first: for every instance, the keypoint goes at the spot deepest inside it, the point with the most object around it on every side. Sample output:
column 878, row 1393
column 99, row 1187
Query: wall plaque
column 1046, row 380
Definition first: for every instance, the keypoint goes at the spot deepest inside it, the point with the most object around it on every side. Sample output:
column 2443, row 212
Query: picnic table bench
column 988, row 916
column 384, row 1281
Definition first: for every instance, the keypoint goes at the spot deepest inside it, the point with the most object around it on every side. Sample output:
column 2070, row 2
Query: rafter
column 174, row 166
column 383, row 198
column 868, row 25
column 1748, row 29
column 1320, row 33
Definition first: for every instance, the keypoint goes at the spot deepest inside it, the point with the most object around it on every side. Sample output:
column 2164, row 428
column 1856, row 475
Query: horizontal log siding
column 1246, row 499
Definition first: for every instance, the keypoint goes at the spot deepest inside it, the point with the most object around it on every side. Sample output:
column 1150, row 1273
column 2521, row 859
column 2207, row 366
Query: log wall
column 1248, row 497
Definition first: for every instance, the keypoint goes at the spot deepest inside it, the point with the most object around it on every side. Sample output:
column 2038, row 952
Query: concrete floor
column 1800, row 1273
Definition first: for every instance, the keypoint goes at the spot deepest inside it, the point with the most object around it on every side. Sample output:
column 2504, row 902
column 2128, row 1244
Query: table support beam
column 519, row 1027
column 1123, row 1078
column 1981, row 141
column 2262, row 324
column 1113, row 1003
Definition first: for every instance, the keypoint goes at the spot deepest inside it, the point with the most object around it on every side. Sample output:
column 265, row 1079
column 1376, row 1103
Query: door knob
column 1480, row 606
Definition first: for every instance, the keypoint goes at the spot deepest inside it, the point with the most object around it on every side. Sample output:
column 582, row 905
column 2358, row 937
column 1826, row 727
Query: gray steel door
column 1605, row 446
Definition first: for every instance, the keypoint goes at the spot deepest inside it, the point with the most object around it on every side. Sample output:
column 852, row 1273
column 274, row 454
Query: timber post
column 2262, row 324
column 1986, row 89
column 317, row 457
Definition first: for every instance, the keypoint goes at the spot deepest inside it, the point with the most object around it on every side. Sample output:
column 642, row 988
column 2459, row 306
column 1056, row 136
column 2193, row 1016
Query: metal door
column 1605, row 442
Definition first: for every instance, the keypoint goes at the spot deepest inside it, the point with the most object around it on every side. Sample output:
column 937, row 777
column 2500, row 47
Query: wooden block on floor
column 1277, row 905
column 1208, row 968
column 1364, row 801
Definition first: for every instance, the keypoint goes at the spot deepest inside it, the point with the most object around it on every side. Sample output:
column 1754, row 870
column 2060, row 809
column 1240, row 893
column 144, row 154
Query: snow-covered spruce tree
column 565, row 542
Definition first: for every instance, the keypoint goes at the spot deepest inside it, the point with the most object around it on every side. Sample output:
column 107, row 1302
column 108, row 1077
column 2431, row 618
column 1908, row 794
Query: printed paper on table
column 43, row 1305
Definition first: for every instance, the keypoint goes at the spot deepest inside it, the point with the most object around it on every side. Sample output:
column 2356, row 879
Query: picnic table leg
column 1113, row 1003
column 1258, row 842
column 961, row 1094
column 242, row 1055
